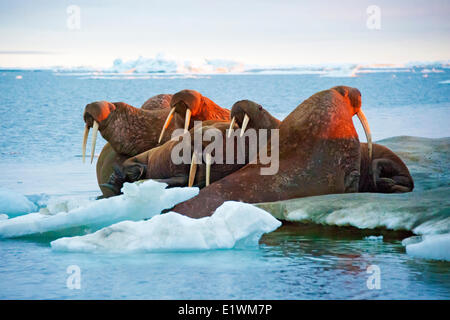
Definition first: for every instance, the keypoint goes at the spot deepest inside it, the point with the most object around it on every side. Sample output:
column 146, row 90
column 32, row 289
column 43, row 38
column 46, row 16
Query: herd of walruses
column 318, row 149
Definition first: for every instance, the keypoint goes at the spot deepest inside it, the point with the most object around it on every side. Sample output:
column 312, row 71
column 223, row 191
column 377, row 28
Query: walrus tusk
column 244, row 124
column 166, row 124
column 208, row 168
column 85, row 137
column 231, row 126
column 187, row 120
column 94, row 139
column 192, row 170
column 366, row 127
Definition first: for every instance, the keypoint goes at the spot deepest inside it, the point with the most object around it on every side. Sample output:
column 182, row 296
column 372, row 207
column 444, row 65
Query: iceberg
column 139, row 201
column 233, row 225
column 14, row 204
column 162, row 64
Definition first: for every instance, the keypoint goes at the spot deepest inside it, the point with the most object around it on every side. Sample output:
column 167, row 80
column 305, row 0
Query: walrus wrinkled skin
column 387, row 173
column 188, row 106
column 319, row 153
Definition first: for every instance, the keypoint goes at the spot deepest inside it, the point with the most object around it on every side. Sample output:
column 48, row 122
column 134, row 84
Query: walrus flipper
column 388, row 177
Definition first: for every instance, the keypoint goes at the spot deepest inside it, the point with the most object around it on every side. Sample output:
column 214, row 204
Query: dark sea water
column 323, row 253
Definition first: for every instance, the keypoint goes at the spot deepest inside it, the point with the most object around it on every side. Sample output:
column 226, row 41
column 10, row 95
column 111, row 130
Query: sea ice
column 435, row 247
column 233, row 225
column 14, row 204
column 139, row 201
column 422, row 212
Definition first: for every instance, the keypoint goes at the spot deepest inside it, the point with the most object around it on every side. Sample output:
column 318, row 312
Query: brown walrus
column 319, row 153
column 131, row 131
column 188, row 106
column 387, row 173
column 127, row 129
column 119, row 123
column 249, row 113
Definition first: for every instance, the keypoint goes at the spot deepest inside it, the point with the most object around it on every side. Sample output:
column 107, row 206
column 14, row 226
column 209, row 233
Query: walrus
column 127, row 129
column 386, row 173
column 188, row 106
column 131, row 131
column 108, row 118
column 249, row 113
column 319, row 153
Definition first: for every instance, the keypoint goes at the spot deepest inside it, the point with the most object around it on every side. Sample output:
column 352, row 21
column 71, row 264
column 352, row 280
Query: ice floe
column 15, row 204
column 422, row 212
column 435, row 247
column 139, row 201
column 233, row 225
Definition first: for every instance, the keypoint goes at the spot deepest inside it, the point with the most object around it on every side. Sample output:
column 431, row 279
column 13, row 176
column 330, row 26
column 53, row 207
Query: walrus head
column 248, row 113
column 189, row 104
column 94, row 115
column 354, row 97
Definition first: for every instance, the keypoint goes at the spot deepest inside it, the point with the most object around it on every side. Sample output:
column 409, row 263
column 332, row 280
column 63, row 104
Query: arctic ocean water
column 323, row 253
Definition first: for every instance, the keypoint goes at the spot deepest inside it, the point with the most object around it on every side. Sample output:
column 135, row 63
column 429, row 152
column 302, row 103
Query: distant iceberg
column 163, row 65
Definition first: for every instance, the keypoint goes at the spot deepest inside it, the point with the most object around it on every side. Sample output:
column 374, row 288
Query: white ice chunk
column 374, row 238
column 15, row 204
column 139, row 201
column 233, row 225
column 435, row 247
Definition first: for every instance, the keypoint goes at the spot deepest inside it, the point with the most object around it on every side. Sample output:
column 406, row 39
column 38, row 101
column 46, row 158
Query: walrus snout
column 97, row 111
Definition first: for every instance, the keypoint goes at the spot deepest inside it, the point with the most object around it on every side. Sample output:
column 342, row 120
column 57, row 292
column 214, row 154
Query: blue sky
column 35, row 33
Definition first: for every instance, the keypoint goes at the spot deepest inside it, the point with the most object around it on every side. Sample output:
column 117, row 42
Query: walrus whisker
column 244, row 124
column 231, row 126
column 94, row 138
column 192, row 170
column 365, row 124
column 85, row 137
column 187, row 120
column 166, row 124
column 208, row 168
